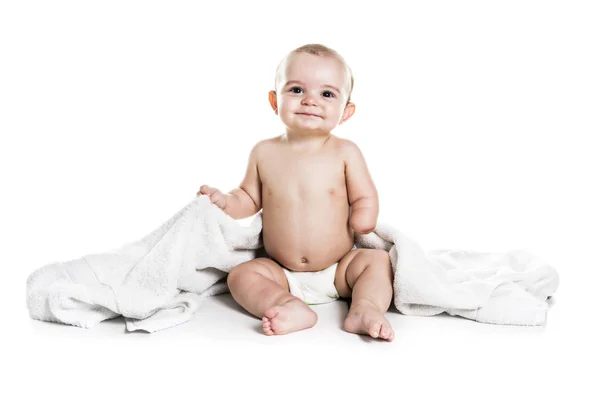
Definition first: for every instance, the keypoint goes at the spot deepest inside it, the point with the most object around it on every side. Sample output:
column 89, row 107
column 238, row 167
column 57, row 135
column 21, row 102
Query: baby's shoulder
column 266, row 144
column 349, row 152
column 346, row 147
column 264, row 148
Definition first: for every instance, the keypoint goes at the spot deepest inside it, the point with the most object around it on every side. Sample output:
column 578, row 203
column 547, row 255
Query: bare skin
column 315, row 193
column 305, row 204
column 306, row 228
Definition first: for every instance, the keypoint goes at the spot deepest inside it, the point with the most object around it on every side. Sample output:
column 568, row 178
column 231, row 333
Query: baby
column 315, row 192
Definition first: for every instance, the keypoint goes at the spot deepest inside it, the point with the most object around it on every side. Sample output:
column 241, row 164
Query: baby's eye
column 296, row 89
column 328, row 94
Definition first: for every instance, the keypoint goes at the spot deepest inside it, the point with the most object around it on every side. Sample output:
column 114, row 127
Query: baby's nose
column 309, row 100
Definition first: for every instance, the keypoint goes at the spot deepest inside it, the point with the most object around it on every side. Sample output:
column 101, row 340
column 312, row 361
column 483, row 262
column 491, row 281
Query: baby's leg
column 261, row 288
column 366, row 276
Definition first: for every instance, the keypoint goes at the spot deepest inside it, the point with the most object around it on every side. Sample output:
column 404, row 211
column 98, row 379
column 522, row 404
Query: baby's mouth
column 308, row 114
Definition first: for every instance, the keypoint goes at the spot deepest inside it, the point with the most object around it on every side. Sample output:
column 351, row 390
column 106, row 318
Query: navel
column 304, row 260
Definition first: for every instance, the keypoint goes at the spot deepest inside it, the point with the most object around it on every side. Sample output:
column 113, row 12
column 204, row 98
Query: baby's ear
column 348, row 112
column 273, row 100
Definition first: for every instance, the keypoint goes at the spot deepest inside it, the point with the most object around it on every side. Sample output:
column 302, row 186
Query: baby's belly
column 310, row 238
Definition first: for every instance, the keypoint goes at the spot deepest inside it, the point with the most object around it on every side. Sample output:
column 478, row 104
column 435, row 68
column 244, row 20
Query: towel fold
column 154, row 283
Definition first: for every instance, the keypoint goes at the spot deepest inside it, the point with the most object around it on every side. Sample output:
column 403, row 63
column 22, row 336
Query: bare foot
column 293, row 315
column 367, row 320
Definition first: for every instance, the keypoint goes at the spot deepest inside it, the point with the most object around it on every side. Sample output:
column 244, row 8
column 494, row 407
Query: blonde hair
column 322, row 51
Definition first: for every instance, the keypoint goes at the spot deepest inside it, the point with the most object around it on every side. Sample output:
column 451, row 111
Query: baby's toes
column 277, row 326
column 389, row 333
column 268, row 331
column 267, row 326
column 375, row 329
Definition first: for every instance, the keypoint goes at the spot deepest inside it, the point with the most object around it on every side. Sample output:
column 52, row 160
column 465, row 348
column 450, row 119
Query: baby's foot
column 367, row 320
column 293, row 315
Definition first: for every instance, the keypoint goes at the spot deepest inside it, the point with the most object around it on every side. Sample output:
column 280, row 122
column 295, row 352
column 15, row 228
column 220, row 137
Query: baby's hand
column 216, row 196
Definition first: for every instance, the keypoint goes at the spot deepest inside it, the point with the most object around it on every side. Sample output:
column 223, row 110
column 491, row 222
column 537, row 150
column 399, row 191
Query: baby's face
column 312, row 92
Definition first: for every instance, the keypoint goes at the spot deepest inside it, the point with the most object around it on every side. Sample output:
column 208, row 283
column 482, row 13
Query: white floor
column 221, row 358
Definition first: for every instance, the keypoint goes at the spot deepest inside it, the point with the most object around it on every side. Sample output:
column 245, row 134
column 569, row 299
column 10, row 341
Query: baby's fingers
column 205, row 190
column 216, row 197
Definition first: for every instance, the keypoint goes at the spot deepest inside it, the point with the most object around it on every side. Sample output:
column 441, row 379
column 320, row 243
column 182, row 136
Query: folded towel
column 154, row 283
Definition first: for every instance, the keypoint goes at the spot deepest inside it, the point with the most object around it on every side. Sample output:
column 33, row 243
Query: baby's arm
column 362, row 193
column 246, row 200
column 243, row 201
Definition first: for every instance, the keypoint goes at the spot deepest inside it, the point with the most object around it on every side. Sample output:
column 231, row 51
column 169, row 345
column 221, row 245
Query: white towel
column 155, row 282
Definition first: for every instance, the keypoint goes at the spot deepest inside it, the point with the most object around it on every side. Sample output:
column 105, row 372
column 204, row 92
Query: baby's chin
column 309, row 130
column 310, row 126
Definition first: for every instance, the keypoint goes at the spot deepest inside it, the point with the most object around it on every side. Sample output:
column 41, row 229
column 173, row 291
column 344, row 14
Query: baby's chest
column 303, row 177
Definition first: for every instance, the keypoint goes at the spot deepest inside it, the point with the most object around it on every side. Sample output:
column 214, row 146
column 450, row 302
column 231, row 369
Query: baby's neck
column 296, row 138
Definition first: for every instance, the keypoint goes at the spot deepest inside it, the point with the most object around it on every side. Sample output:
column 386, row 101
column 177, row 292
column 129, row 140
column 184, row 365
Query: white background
column 479, row 121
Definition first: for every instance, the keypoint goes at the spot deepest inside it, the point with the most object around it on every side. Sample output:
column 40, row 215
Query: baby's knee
column 381, row 259
column 375, row 256
column 238, row 272
column 235, row 274
column 381, row 256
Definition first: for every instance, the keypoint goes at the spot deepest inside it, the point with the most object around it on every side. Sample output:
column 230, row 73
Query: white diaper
column 313, row 287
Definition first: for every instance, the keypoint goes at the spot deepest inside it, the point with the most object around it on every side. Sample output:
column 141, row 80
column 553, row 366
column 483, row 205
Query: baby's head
column 312, row 92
